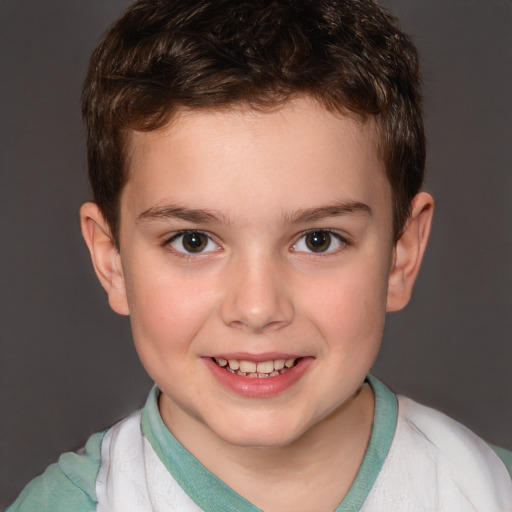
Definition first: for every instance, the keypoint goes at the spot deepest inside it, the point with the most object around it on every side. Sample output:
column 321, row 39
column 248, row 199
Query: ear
column 105, row 256
column 408, row 252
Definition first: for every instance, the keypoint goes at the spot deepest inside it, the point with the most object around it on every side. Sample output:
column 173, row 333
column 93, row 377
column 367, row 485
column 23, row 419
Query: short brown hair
column 166, row 55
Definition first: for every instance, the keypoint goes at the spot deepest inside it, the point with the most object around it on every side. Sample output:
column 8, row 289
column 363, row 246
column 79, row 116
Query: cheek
column 350, row 308
column 166, row 311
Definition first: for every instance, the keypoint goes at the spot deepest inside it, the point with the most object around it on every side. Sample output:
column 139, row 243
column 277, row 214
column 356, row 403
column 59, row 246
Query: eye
column 319, row 241
column 192, row 242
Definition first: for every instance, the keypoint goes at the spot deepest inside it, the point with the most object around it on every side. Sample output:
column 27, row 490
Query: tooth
column 265, row 366
column 247, row 366
column 221, row 362
column 274, row 374
column 234, row 364
column 279, row 364
column 289, row 363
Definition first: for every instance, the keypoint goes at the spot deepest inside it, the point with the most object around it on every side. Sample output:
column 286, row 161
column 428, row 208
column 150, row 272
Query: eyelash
column 181, row 234
column 341, row 240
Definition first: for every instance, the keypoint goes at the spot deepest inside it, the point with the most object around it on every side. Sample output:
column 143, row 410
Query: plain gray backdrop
column 68, row 367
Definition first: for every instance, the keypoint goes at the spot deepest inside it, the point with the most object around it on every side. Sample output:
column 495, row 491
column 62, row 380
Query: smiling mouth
column 261, row 369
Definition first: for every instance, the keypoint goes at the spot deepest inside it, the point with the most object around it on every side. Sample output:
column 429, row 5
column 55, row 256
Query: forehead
column 295, row 154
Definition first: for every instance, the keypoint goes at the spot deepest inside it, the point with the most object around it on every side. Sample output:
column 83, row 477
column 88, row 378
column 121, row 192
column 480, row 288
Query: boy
column 256, row 169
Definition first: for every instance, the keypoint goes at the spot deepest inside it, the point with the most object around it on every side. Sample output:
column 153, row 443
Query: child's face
column 256, row 237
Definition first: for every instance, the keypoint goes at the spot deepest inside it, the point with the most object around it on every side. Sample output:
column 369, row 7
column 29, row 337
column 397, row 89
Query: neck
column 326, row 456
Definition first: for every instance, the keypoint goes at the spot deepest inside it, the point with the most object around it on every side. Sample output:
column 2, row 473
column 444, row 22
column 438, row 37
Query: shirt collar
column 212, row 495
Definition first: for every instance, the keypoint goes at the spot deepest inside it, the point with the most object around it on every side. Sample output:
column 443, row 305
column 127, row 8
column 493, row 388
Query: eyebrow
column 177, row 212
column 334, row 210
column 301, row 216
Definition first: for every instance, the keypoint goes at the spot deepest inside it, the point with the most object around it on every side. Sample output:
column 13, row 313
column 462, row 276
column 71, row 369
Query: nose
column 255, row 297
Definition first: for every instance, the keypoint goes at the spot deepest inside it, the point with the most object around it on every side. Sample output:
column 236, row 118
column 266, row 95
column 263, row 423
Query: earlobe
column 409, row 251
column 105, row 256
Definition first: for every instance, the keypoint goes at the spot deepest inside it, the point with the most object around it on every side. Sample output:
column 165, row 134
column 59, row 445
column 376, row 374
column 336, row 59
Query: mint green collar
column 383, row 431
column 212, row 495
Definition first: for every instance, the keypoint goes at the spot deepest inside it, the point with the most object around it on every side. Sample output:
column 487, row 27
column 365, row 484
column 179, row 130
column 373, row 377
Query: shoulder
column 456, row 458
column 504, row 455
column 435, row 463
column 453, row 442
column 67, row 485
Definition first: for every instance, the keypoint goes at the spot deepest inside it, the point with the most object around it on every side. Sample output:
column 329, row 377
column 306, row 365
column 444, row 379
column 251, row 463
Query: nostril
column 255, row 298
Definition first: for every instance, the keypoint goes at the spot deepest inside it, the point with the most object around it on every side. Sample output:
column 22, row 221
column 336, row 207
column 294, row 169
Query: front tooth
column 248, row 366
column 279, row 364
column 289, row 363
column 234, row 364
column 221, row 362
column 265, row 366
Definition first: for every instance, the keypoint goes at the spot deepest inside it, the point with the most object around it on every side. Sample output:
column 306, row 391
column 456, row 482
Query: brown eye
column 318, row 241
column 192, row 242
column 321, row 241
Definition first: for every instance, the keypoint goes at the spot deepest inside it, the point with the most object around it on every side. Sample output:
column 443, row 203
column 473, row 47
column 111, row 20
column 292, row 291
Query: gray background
column 67, row 366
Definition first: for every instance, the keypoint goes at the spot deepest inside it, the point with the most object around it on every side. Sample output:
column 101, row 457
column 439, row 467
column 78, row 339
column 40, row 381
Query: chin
column 257, row 432
column 259, row 440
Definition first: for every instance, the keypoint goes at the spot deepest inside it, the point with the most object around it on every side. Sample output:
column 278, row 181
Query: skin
column 260, row 181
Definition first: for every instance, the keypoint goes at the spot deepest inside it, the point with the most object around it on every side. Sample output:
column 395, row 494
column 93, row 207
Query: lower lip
column 259, row 387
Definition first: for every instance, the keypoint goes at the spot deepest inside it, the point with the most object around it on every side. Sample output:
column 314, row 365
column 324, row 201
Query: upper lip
column 266, row 356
